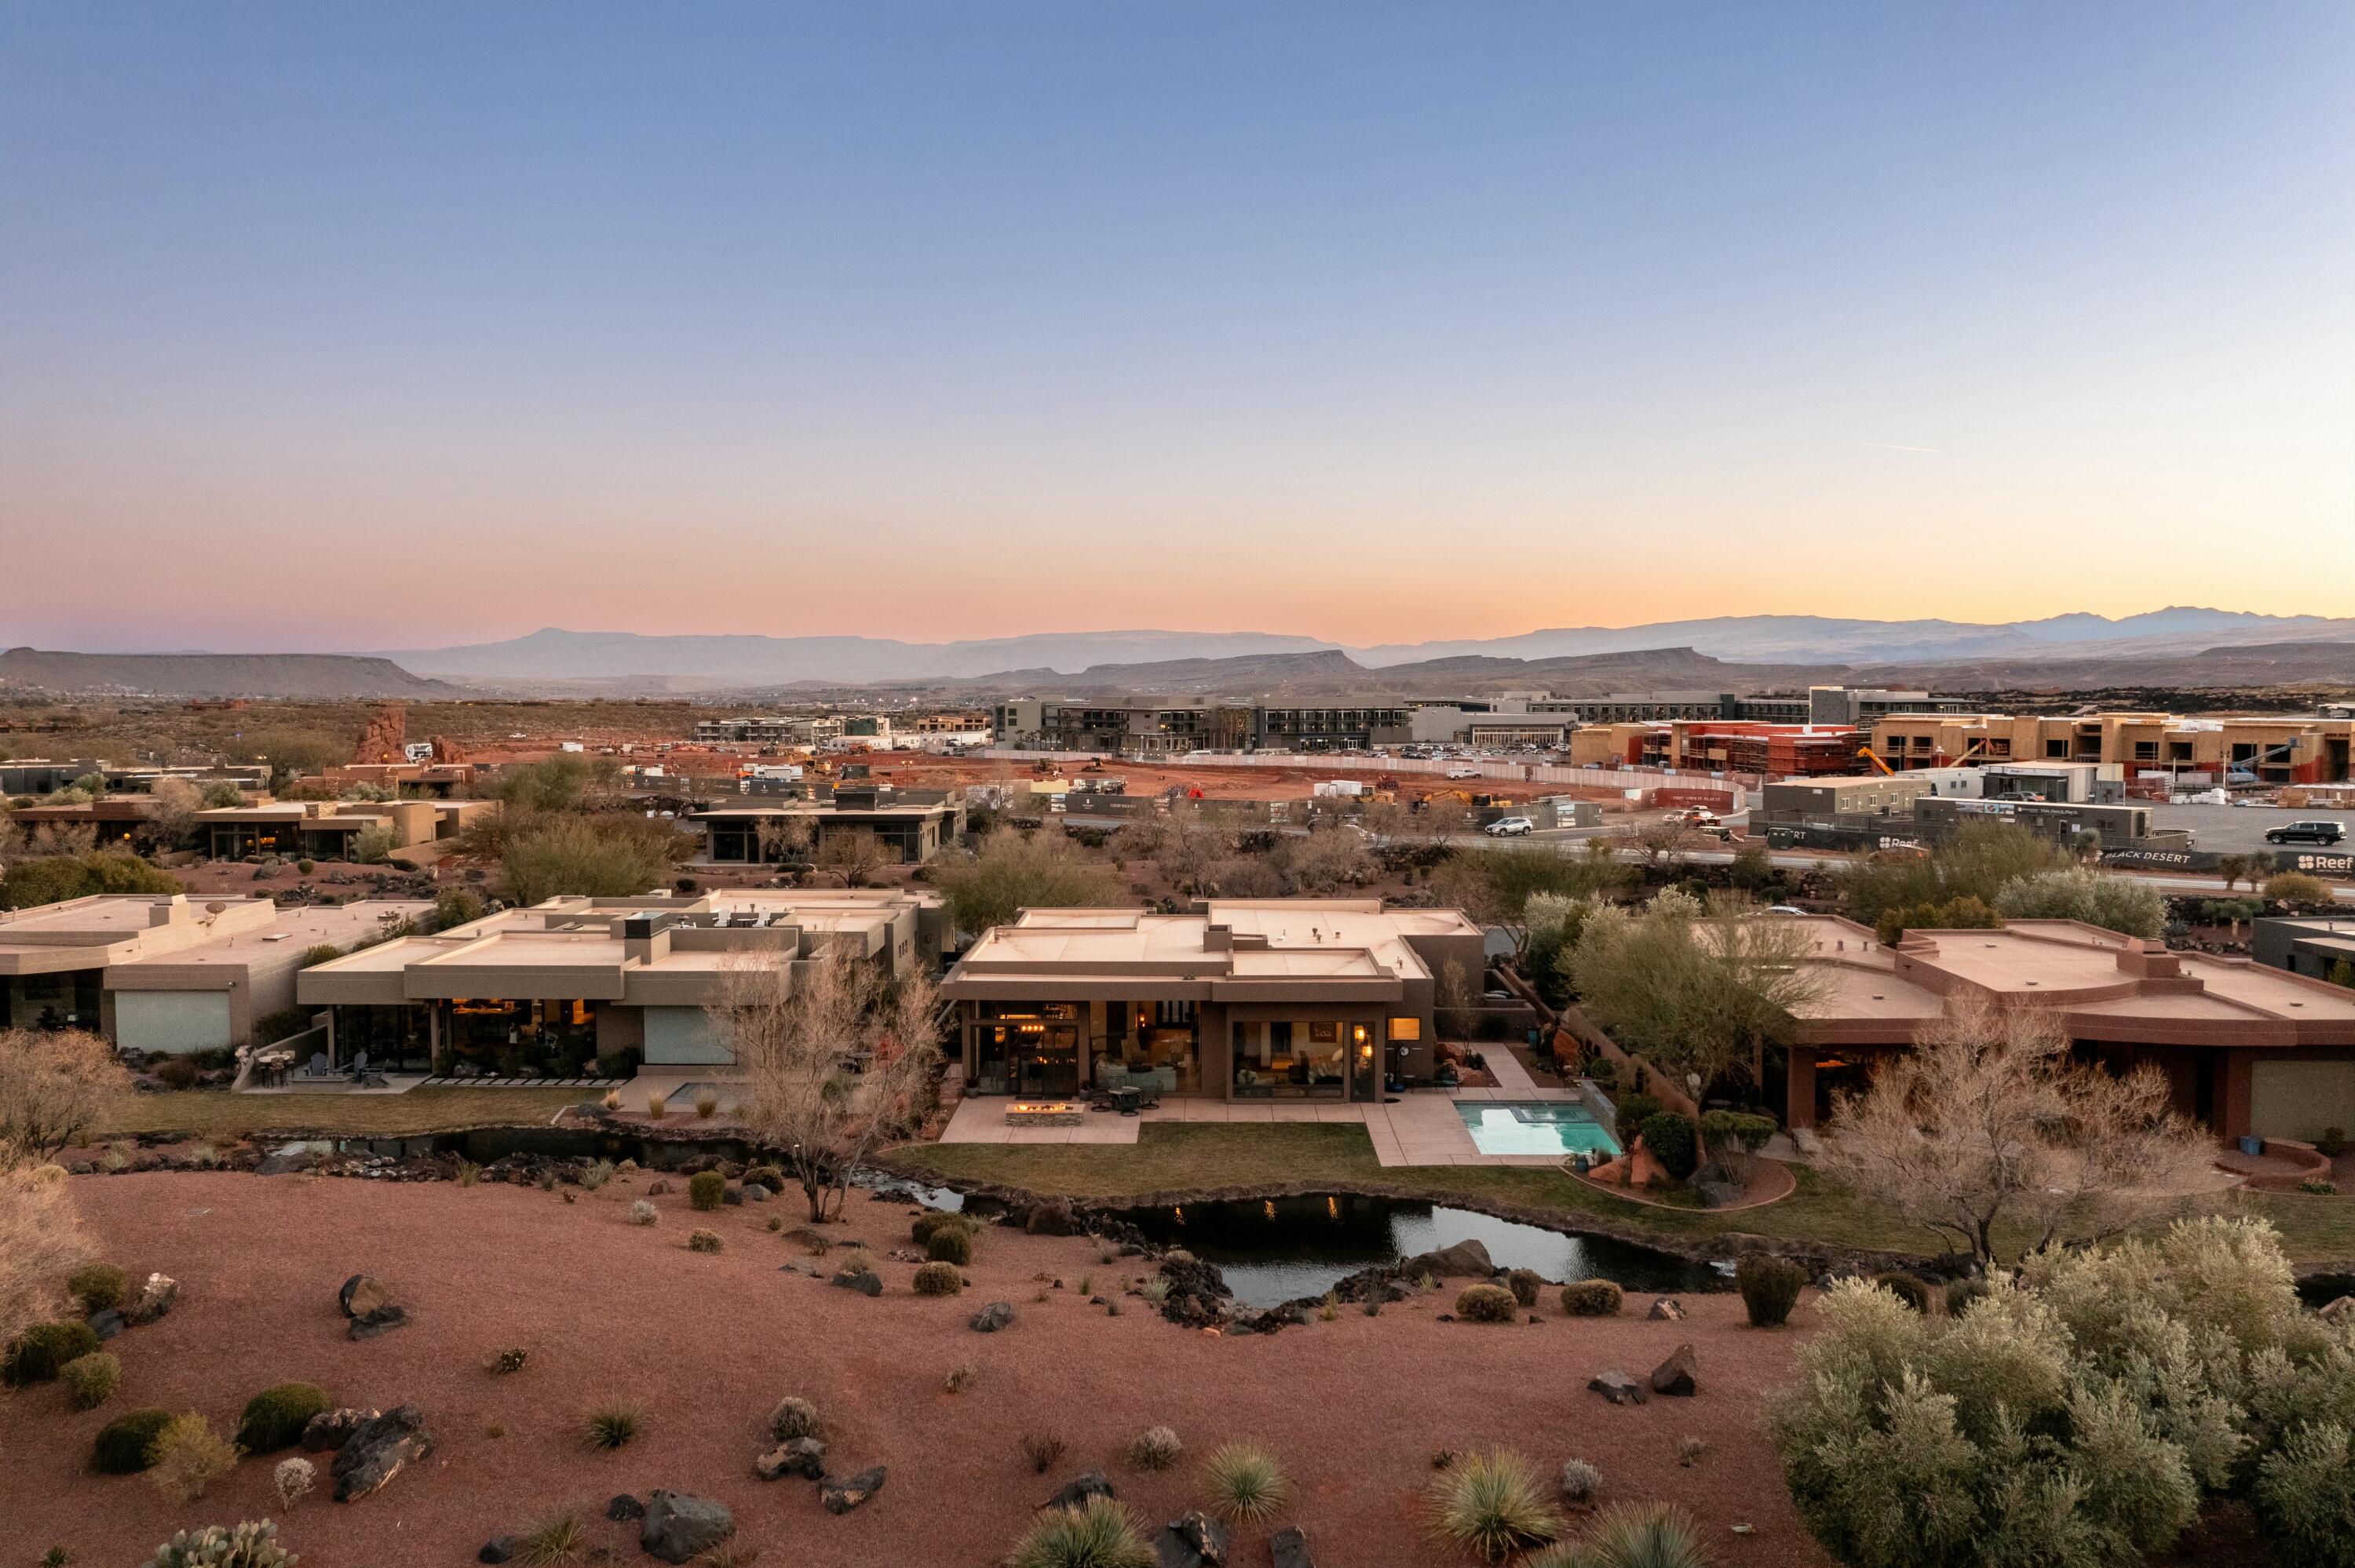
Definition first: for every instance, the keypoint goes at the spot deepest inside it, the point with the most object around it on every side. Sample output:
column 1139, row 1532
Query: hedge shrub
column 1485, row 1304
column 938, row 1279
column 90, row 1379
column 706, row 1190
column 1674, row 1142
column 275, row 1417
column 99, row 1286
column 42, row 1351
column 126, row 1444
column 950, row 1244
column 1770, row 1287
column 1590, row 1298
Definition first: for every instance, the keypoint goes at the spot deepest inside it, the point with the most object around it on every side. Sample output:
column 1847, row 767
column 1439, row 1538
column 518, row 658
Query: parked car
column 2321, row 831
column 1464, row 773
column 1509, row 828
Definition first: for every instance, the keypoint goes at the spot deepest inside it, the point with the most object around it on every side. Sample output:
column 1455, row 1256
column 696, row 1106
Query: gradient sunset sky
column 395, row 325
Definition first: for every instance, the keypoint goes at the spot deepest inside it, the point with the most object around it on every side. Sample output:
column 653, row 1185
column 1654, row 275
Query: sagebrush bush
column 1485, row 1304
column 90, row 1379
column 1245, row 1483
column 99, row 1286
column 706, row 1190
column 126, row 1444
column 1492, row 1506
column 2304, row 1497
column 1099, row 1533
column 950, row 1244
column 795, row 1417
column 275, row 1417
column 1580, row 1482
column 703, row 1241
column 938, row 1279
column 188, row 1457
column 252, row 1544
column 1961, row 1293
column 1592, row 1298
column 1770, row 1287
column 39, row 1354
column 1525, row 1283
column 1154, row 1448
column 644, row 1213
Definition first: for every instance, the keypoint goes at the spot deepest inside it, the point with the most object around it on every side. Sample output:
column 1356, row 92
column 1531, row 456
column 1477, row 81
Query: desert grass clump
column 99, row 1286
column 707, row 1106
column 275, row 1417
column 1245, row 1483
column 1689, row 1451
column 1525, row 1283
column 1329, row 1310
column 938, row 1279
column 1042, row 1449
column 1631, row 1535
column 613, row 1101
column 703, row 1241
column 795, row 1418
column 644, row 1213
column 1592, row 1298
column 605, row 1427
column 657, row 1105
column 1155, row 1291
column 560, row 1537
column 950, row 1245
column 293, row 1480
column 961, row 1377
column 126, row 1444
column 1484, row 1304
column 1099, row 1533
column 1154, row 1448
column 1770, row 1287
column 1492, row 1506
column 188, row 1457
column 90, row 1379
column 1087, row 1285
column 1580, row 1482
column 468, row 1172
column 706, row 1190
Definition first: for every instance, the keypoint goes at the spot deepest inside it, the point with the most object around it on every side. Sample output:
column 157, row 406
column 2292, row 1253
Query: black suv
column 2323, row 832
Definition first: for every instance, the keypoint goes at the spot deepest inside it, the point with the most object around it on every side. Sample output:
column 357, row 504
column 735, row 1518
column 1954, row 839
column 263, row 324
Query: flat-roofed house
column 2248, row 1049
column 1249, row 999
column 912, row 826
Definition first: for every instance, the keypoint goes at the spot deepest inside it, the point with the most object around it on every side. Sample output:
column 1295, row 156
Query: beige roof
column 295, row 931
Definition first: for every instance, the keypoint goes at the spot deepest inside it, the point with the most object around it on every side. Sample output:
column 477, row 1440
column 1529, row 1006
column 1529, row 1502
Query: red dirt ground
column 705, row 1345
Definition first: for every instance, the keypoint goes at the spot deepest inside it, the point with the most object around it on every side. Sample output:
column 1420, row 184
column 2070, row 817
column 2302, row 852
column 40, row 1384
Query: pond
column 1280, row 1249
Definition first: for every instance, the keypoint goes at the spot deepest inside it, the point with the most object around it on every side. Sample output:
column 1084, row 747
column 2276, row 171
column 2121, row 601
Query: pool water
column 1535, row 1127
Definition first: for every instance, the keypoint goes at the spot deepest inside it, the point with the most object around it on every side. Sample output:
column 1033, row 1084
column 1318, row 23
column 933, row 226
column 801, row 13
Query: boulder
column 989, row 1319
column 679, row 1529
column 500, row 1548
column 383, row 1319
column 840, row 1496
column 802, row 1457
column 2338, row 1310
column 1198, row 1291
column 866, row 1282
column 656, row 1188
column 1667, row 1310
column 1054, row 1218
column 285, row 1163
column 1675, row 1376
column 331, row 1429
column 362, row 1295
column 1086, row 1484
column 1288, row 1548
column 378, row 1450
column 623, row 1508
column 156, row 1298
column 1193, row 1540
column 1466, row 1257
column 107, row 1324
column 755, row 1193
column 1617, row 1387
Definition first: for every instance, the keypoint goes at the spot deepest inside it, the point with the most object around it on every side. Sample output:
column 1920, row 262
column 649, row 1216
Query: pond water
column 1280, row 1249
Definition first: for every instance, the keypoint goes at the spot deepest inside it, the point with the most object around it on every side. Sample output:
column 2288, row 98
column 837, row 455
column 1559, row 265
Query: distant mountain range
column 324, row 677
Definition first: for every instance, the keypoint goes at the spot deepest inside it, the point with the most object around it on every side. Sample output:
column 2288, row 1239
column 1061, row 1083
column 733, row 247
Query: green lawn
column 216, row 1113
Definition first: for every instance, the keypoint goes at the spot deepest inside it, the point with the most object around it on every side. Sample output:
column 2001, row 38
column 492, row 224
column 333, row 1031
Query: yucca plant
column 1247, row 1486
column 1097, row 1534
column 1631, row 1535
column 1492, row 1506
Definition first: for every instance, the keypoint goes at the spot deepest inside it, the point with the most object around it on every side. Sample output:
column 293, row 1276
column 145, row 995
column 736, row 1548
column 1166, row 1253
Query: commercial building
column 1141, row 731
column 1851, row 799
column 2247, row 1049
column 544, row 991
column 2111, row 826
column 158, row 973
column 1248, row 999
column 2194, row 752
column 2322, row 945
column 1763, row 750
column 911, row 825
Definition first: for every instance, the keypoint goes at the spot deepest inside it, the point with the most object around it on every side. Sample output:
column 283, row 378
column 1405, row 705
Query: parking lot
column 2238, row 829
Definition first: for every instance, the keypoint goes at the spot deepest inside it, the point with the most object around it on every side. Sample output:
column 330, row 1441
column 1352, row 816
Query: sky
column 382, row 327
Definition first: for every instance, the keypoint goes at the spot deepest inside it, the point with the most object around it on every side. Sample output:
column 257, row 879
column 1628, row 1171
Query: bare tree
column 1329, row 856
column 1988, row 1129
column 1661, row 843
column 836, row 1060
column 854, row 856
column 2232, row 868
column 40, row 1243
column 173, row 816
column 55, row 1085
column 783, row 838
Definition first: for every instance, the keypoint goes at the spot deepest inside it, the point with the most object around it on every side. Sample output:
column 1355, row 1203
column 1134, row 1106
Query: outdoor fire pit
column 1043, row 1113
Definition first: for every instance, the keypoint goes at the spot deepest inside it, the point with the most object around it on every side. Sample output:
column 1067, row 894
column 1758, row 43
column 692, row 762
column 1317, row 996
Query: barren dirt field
column 705, row 1345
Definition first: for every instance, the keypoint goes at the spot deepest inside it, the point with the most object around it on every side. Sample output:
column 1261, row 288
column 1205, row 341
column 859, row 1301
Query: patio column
column 1799, row 1097
column 2235, row 1092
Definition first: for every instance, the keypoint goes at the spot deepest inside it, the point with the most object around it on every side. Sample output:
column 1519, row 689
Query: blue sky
column 374, row 326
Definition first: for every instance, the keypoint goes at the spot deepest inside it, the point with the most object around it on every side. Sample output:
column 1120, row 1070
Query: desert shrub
column 938, row 1279
column 706, row 1190
column 1635, row 1108
column 644, row 1213
column 509, row 1361
column 1525, row 1283
column 90, row 1379
column 275, row 1417
column 41, row 1351
column 188, row 1457
column 1580, row 1482
column 1484, row 1304
column 703, row 1241
column 2304, row 1497
column 2297, row 887
column 595, row 1174
column 1155, row 1291
column 177, row 1073
column 1770, row 1287
column 1961, row 1293
column 706, row 1105
column 1154, row 1448
column 795, row 1417
column 1631, row 1535
column 950, row 1245
column 559, row 1538
column 293, row 1480
column 1674, row 1142
column 932, row 1222
column 1690, row 1450
column 859, row 1260
column 99, row 1286
column 1736, row 1130
column 961, row 1377
column 1329, row 1310
column 1042, row 1449
column 1245, row 1483
column 1099, row 1533
column 609, row 1426
column 125, row 1443
column 1908, row 1289
column 1590, row 1298
column 248, row 1545
column 2318, row 1187
column 769, row 1176
column 1492, row 1506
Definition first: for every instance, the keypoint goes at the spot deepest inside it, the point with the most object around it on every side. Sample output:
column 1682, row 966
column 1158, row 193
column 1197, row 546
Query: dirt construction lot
column 705, row 1345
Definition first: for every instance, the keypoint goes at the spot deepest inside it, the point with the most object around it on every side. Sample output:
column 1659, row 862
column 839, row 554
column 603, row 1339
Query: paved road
column 2238, row 829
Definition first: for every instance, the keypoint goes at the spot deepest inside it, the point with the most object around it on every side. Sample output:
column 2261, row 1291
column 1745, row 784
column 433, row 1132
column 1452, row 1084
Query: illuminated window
column 1406, row 1029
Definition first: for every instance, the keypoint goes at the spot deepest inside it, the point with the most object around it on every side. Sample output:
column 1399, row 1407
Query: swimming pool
column 1535, row 1127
